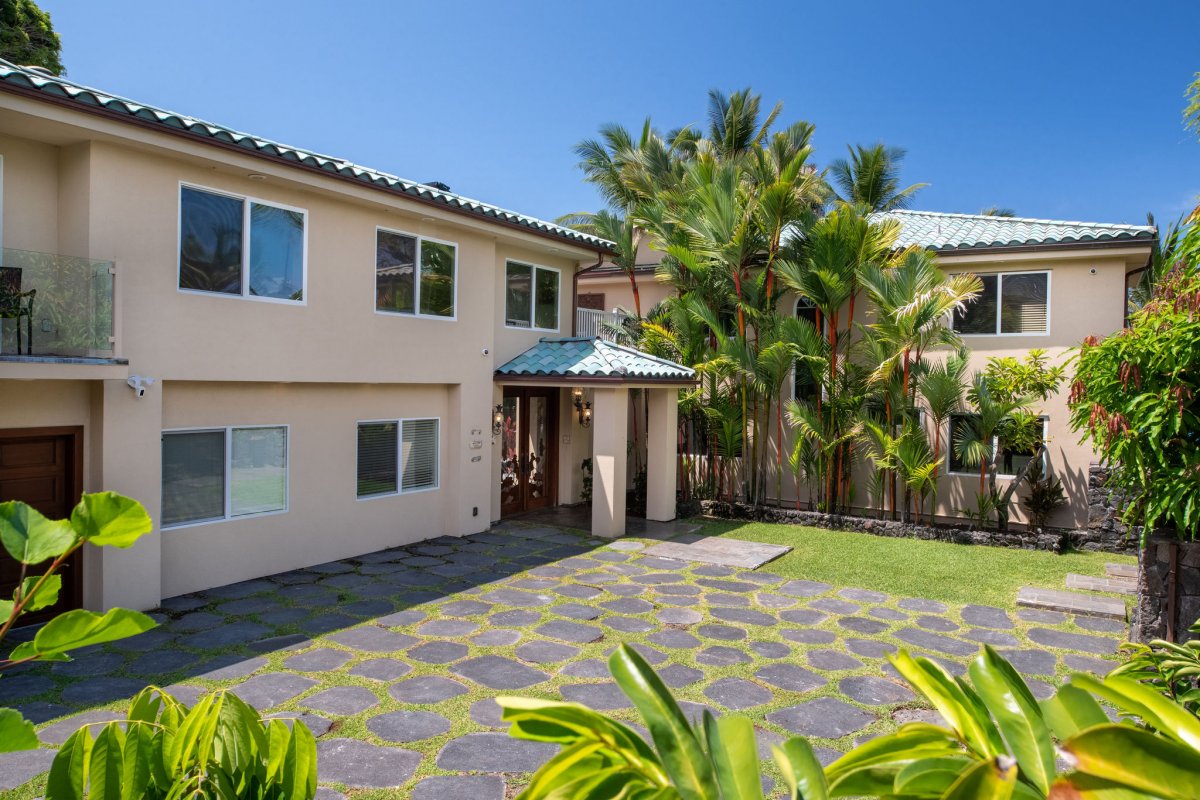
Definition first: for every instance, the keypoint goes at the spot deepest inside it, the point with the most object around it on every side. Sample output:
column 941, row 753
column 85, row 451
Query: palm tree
column 871, row 178
column 942, row 388
column 622, row 232
column 733, row 123
column 975, row 441
column 997, row 211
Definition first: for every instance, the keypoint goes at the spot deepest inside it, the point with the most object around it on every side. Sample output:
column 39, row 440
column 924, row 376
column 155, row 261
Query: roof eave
column 1106, row 244
column 592, row 380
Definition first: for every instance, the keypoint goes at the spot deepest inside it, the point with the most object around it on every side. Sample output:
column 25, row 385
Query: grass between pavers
column 951, row 573
column 919, row 584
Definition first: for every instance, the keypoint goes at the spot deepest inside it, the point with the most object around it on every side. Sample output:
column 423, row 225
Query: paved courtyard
column 392, row 658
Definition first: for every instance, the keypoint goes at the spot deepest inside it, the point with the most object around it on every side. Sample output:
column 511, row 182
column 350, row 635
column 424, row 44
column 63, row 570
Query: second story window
column 239, row 246
column 402, row 288
column 1011, row 304
column 530, row 296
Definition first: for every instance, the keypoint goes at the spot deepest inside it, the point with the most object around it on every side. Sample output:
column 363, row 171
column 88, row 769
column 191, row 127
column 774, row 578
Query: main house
column 288, row 358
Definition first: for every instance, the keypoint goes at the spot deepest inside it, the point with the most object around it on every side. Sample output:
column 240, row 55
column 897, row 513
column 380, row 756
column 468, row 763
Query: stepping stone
column 745, row 616
column 587, row 668
column 1090, row 583
column 284, row 616
column 771, row 649
column 721, row 656
column 374, row 639
column 342, row 700
column 150, row 640
column 317, row 725
column 808, row 636
column 516, row 619
column 832, row 660
column 580, row 611
column 648, row 653
column 714, row 571
column 1101, row 625
column 870, row 648
column 1121, row 570
column 736, row 693
column 460, row 787
column 677, row 675
column 544, row 652
column 494, row 752
column 628, row 605
column 1040, row 689
column 228, row 667
column 358, row 764
column 581, row 592
column 534, row 584
column 426, row 690
column 596, row 696
column 790, row 677
column 883, row 612
column 227, row 635
column 93, row 664
column 516, row 597
column 161, row 662
column 236, row 591
column 936, row 642
column 725, row 633
column 408, row 726
column 497, row 672
column 723, row 552
column 824, row 717
column 98, row 691
column 672, row 600
column 1073, row 641
column 992, row 637
column 804, row 588
column 250, row 605
column 381, row 669
column 627, row 545
column 272, row 688
column 834, row 606
column 448, row 627
column 657, row 578
column 651, row 561
column 465, row 608
column 323, row 659
column 21, row 767
column 570, row 631
column 323, row 623
column 186, row 694
column 986, row 617
column 497, row 637
column 872, row 691
column 932, row 623
column 1071, row 603
column 728, row 586
column 185, row 602
column 197, row 621
column 1096, row 666
column 863, row 595
column 770, row 600
column 678, row 616
column 803, row 616
column 922, row 606
column 1031, row 661
column 291, row 641
column 628, row 624
column 60, row 731
column 675, row 639
column 1039, row 615
column 439, row 652
column 862, row 625
column 671, row 590
column 28, row 685
column 487, row 714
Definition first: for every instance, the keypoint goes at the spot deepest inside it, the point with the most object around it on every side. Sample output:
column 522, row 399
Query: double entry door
column 529, row 449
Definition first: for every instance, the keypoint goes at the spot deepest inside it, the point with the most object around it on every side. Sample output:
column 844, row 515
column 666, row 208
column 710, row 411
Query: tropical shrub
column 1173, row 669
column 1045, row 496
column 104, row 519
column 219, row 748
column 997, row 742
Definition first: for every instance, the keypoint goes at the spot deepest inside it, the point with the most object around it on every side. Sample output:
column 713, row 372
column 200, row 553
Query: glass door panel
column 511, row 489
column 529, row 453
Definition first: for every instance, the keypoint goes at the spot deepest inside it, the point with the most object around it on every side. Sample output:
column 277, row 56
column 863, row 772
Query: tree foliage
column 27, row 37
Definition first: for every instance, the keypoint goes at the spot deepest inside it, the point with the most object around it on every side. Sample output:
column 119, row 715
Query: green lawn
column 952, row 573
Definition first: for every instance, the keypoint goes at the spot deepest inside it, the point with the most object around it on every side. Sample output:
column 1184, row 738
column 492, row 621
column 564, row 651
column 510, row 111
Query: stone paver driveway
column 392, row 658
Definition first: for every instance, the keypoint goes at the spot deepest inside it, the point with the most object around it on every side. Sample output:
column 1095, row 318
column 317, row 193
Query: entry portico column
column 661, row 461
column 610, row 436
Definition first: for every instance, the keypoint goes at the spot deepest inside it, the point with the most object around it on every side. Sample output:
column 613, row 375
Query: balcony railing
column 592, row 322
column 52, row 305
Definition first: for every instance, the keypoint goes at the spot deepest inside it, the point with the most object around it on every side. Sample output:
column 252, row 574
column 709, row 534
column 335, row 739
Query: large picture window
column 212, row 475
column 397, row 456
column 531, row 296
column 240, row 246
column 1011, row 304
column 1010, row 459
column 402, row 288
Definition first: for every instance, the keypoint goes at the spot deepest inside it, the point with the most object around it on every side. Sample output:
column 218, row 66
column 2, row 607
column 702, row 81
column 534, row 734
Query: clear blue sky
column 1067, row 110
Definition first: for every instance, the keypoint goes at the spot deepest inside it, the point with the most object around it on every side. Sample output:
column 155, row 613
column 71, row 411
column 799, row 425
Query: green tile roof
column 32, row 82
column 593, row 359
column 944, row 232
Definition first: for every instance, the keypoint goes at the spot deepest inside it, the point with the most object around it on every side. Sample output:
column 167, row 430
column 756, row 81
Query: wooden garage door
column 42, row 467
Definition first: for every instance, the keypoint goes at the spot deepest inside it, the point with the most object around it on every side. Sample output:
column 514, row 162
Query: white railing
column 593, row 322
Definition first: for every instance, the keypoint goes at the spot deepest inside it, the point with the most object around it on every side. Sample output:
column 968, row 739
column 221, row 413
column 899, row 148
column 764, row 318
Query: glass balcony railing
column 53, row 305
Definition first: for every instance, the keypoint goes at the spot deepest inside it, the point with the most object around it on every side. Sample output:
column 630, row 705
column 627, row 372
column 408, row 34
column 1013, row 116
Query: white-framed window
column 415, row 275
column 531, row 296
column 215, row 474
column 397, row 456
column 1010, row 304
column 1009, row 462
column 241, row 246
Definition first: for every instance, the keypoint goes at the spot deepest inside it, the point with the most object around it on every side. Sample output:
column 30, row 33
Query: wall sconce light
column 584, row 409
column 498, row 420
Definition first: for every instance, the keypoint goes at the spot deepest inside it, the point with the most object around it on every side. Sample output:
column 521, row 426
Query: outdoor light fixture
column 584, row 409
column 498, row 420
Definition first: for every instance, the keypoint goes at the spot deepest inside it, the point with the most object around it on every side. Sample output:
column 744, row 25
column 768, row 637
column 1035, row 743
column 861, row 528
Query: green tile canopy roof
column 948, row 232
column 593, row 360
column 37, row 83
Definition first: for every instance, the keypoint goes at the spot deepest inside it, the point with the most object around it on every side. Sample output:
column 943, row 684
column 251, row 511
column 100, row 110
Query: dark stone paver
column 272, row 688
column 673, row 638
column 679, row 616
column 19, row 768
column 863, row 625
column 1041, row 615
column 933, row 623
column 891, row 614
column 439, row 652
column 744, row 616
column 1096, row 666
column 497, row 672
column 448, row 627
column 570, row 631
column 834, row 605
column 628, row 624
column 737, row 693
column 322, row 659
column 1102, row 625
column 362, row 765
column 936, row 641
column 60, row 731
column 426, row 690
column 993, row 637
column 808, row 636
column 587, row 668
column 231, row 633
column 869, row 648
column 517, row 597
column 832, row 660
column 576, row 611
column 408, row 726
column 804, row 588
column 987, row 617
column 872, row 691
column 494, row 752
column 465, row 608
column 1074, row 641
column 543, row 652
column 724, row 633
column 515, row 618
column 628, row 605
column 677, row 675
column 160, row 662
column 231, row 666
column 722, row 656
column 771, row 649
column 460, row 787
column 97, row 691
column 790, row 677
column 316, row 724
column 374, row 639
column 597, row 696
column 863, row 595
column 497, row 637
column 1031, row 661
column 342, row 700
column 487, row 713
column 381, row 669
column 824, row 717
column 802, row 616
column 922, row 606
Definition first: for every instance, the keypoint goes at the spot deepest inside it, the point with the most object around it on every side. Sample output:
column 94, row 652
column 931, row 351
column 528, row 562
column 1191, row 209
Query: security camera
column 139, row 384
column 485, row 351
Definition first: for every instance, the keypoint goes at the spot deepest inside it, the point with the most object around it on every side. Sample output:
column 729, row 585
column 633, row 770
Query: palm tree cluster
column 747, row 223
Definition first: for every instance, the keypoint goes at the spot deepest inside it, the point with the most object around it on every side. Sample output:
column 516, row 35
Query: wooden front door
column 44, row 468
column 529, row 452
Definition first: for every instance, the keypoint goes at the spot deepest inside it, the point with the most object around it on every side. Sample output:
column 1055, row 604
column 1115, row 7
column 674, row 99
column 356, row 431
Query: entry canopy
column 590, row 360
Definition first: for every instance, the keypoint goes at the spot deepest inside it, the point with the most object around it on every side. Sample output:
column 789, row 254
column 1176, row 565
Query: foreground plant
column 104, row 519
column 998, row 742
column 1173, row 669
column 163, row 750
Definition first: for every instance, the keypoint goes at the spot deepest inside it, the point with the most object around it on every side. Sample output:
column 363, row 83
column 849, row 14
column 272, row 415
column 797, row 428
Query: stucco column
column 610, row 433
column 661, row 437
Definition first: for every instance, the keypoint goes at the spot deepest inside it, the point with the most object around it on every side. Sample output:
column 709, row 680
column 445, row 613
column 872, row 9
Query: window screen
column 980, row 316
column 419, row 460
column 395, row 264
column 377, row 461
column 193, row 476
column 210, row 242
column 276, row 252
column 518, row 294
column 546, row 311
column 258, row 471
column 1023, row 303
column 437, row 279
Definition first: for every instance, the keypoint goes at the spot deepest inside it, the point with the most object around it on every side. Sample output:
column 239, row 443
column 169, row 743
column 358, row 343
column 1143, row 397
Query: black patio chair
column 15, row 303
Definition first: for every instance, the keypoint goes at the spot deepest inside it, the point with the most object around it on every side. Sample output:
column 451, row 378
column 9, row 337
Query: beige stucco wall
column 619, row 294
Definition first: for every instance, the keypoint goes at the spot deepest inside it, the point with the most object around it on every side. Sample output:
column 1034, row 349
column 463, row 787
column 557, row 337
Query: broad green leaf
column 1078, row 786
column 69, row 771
column 566, row 767
column 31, row 538
column 6, row 609
column 931, row 776
column 1137, row 759
column 993, row 779
column 80, row 628
column 566, row 723
column 105, row 769
column 871, row 767
column 1159, row 712
column 1072, row 710
column 682, row 756
column 109, row 519
column 802, row 772
column 27, row 650
column 300, row 766
column 278, row 741
column 963, row 712
column 46, row 595
column 734, row 755
column 136, row 758
column 1018, row 716
column 16, row 732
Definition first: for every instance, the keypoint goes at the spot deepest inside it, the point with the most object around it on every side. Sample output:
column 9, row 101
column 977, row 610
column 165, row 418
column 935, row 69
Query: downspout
column 575, row 292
